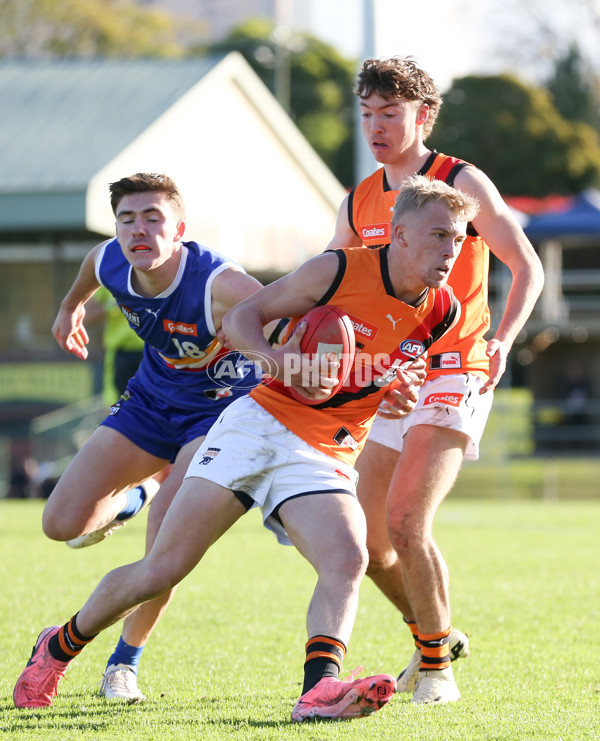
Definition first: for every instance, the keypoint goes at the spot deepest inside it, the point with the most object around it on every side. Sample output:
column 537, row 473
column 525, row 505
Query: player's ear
column 180, row 230
column 398, row 232
column 422, row 113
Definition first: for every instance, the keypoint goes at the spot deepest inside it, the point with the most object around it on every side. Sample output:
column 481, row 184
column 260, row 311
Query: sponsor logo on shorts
column 374, row 231
column 342, row 475
column 180, row 327
column 412, row 348
column 344, row 439
column 131, row 316
column 452, row 400
column 211, row 454
column 364, row 329
column 118, row 404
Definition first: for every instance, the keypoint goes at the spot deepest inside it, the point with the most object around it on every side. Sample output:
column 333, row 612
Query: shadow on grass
column 82, row 713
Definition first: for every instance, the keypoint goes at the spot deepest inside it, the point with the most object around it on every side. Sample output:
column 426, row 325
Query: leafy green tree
column 311, row 79
column 575, row 88
column 517, row 136
column 84, row 28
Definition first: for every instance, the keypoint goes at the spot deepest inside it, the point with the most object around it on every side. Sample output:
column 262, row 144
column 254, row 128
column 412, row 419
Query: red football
column 329, row 334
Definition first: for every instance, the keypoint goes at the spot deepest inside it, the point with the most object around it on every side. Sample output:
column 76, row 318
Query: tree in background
column 86, row 28
column 517, row 136
column 575, row 89
column 312, row 80
column 530, row 37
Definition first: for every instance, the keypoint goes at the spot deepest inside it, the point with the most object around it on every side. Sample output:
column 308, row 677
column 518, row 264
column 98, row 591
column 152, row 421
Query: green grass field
column 549, row 479
column 226, row 660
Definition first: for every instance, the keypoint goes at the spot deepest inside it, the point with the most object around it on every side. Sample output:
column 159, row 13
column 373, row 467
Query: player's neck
column 151, row 283
column 409, row 164
column 407, row 286
column 410, row 294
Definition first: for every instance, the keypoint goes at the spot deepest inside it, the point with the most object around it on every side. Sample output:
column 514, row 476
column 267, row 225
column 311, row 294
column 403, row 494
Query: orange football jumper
column 462, row 350
column 388, row 332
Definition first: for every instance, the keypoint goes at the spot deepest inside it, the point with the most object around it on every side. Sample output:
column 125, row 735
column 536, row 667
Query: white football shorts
column 451, row 401
column 250, row 452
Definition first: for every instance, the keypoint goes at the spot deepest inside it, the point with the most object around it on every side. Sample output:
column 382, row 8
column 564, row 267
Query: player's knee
column 148, row 586
column 57, row 527
column 355, row 565
column 380, row 559
column 348, row 562
column 155, row 580
column 406, row 534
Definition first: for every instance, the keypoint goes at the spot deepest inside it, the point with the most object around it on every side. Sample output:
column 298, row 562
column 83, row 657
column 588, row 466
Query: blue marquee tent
column 580, row 221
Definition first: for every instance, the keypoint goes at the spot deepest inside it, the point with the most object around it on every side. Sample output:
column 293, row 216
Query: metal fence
column 56, row 437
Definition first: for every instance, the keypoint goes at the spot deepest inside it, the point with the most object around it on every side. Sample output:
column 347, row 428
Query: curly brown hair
column 400, row 77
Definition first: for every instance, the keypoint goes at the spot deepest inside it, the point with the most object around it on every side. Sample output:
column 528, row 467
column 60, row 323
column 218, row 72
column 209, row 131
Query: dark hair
column 145, row 182
column 400, row 77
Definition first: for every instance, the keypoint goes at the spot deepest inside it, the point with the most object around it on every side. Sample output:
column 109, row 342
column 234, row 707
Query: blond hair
column 418, row 191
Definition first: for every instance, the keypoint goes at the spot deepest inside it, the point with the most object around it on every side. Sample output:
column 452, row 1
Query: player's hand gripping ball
column 329, row 335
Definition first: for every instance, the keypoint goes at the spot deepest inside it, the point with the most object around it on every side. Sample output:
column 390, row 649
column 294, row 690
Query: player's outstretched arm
column 507, row 240
column 68, row 328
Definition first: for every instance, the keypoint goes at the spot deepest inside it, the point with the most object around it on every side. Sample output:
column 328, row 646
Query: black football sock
column 324, row 656
column 68, row 642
